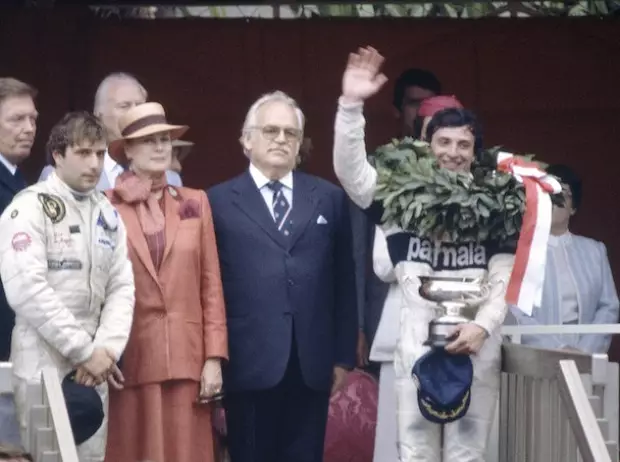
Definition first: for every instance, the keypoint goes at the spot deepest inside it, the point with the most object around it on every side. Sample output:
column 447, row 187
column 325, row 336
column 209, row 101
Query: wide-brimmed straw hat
column 142, row 120
column 185, row 147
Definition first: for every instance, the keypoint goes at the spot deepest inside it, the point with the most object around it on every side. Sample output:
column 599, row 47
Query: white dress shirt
column 12, row 168
column 111, row 168
column 262, row 181
column 567, row 287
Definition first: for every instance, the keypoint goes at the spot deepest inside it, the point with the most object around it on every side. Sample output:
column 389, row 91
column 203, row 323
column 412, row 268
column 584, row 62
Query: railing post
column 580, row 415
column 59, row 415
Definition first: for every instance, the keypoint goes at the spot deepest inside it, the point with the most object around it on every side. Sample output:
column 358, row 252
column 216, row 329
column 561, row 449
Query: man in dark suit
column 284, row 242
column 18, row 126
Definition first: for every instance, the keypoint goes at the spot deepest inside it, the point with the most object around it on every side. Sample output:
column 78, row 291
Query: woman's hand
column 211, row 378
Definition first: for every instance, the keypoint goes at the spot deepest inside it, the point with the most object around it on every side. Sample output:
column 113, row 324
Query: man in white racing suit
column 454, row 140
column 67, row 275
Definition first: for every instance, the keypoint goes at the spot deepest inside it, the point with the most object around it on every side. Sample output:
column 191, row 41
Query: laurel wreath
column 432, row 202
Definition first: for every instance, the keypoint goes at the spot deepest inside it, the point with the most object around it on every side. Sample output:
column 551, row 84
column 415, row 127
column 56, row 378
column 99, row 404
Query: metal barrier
column 49, row 437
column 556, row 405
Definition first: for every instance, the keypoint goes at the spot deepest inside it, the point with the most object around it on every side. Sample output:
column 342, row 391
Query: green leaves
column 433, row 202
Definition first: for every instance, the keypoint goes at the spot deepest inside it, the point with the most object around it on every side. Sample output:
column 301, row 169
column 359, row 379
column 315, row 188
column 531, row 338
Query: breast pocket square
column 321, row 220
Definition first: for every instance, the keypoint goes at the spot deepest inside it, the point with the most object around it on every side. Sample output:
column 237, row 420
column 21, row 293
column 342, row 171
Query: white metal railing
column 515, row 332
column 49, row 437
column 581, row 418
column 610, row 378
column 540, row 392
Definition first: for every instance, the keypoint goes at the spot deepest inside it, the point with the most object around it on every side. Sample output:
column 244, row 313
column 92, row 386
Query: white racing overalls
column 67, row 275
column 464, row 440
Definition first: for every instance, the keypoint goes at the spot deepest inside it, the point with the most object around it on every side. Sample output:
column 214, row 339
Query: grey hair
column 250, row 117
column 102, row 89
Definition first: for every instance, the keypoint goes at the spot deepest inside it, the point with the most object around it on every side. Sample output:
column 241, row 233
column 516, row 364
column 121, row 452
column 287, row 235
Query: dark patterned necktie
column 281, row 208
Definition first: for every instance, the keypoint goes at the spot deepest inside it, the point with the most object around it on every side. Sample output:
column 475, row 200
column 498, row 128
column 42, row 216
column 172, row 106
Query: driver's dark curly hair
column 73, row 129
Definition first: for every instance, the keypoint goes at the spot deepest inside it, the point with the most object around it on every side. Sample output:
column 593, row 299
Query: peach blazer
column 179, row 319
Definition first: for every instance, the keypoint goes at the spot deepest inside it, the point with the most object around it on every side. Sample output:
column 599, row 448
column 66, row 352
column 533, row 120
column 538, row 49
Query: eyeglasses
column 271, row 132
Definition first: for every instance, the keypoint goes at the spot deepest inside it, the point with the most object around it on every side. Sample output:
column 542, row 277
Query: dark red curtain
column 546, row 86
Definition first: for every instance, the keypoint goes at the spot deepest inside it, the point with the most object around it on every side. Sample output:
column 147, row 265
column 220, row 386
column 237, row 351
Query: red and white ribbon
column 526, row 282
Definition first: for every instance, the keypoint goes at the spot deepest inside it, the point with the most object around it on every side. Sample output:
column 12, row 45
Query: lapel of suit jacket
column 171, row 208
column 251, row 202
column 304, row 205
column 9, row 179
column 136, row 236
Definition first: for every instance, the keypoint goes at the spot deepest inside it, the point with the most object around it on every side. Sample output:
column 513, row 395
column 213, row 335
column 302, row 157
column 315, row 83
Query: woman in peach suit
column 171, row 365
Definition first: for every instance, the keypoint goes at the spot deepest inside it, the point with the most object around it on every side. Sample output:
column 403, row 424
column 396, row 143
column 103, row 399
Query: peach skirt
column 159, row 422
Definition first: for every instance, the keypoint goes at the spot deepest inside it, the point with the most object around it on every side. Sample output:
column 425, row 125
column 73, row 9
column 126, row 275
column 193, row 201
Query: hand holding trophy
column 457, row 301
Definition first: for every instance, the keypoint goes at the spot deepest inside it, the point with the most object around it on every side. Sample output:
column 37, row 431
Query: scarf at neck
column 142, row 192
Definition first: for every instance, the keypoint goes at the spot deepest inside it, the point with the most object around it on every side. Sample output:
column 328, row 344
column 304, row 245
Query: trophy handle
column 486, row 289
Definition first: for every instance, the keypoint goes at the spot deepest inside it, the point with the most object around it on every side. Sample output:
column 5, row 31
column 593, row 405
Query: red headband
column 430, row 106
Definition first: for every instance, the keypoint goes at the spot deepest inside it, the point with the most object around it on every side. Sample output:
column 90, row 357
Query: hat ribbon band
column 142, row 123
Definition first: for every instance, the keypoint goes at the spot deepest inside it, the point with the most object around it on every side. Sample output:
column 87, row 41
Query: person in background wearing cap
column 116, row 94
column 411, row 88
column 180, row 150
column 455, row 139
column 67, row 276
column 172, row 362
column 386, row 336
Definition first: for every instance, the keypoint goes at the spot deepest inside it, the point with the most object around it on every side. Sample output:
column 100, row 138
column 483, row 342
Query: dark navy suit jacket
column 272, row 282
column 10, row 185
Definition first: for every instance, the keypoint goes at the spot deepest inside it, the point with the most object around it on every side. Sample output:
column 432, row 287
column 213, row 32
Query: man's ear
column 397, row 113
column 56, row 155
column 244, row 140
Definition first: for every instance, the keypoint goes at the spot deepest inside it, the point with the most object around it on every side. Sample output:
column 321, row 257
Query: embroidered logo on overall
column 53, row 207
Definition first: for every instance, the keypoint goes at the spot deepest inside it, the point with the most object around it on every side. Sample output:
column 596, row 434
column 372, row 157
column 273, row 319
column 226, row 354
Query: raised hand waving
column 362, row 77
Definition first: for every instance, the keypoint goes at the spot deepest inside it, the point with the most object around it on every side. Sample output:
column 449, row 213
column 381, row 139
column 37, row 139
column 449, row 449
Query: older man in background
column 116, row 94
column 18, row 127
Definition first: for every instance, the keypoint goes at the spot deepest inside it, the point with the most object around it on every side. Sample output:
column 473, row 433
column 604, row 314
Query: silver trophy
column 457, row 302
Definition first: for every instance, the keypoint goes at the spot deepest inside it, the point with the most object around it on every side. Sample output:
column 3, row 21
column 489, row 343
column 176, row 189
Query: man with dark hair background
column 410, row 88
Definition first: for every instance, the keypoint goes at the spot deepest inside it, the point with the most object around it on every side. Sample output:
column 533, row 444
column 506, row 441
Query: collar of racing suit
column 67, row 193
